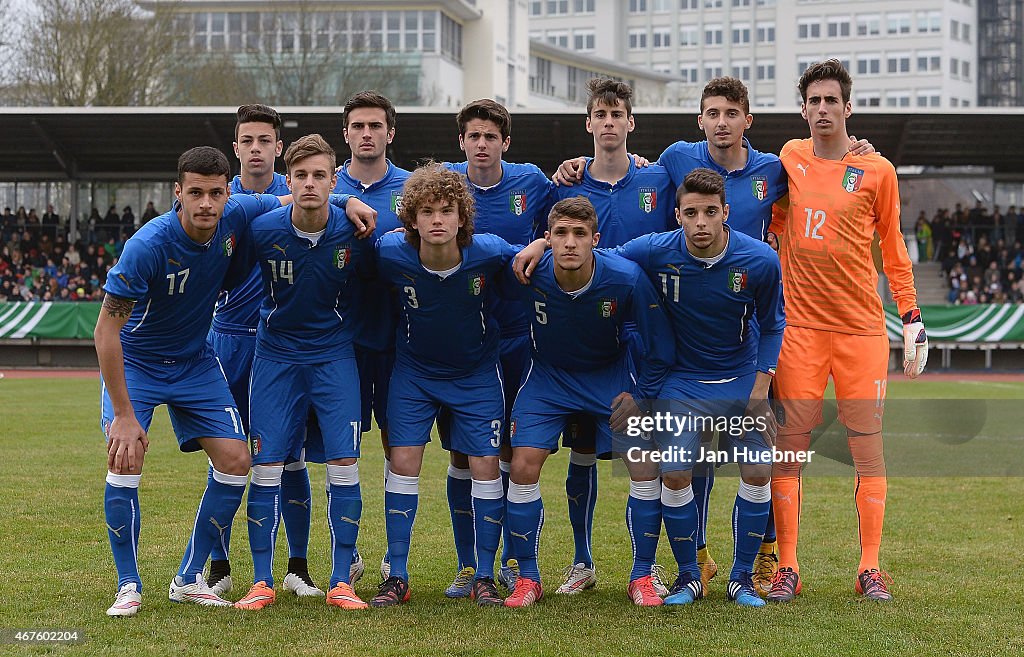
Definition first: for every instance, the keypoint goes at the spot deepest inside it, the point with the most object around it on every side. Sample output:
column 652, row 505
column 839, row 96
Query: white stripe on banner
column 15, row 306
column 31, row 324
column 17, row 320
column 957, row 330
column 991, row 325
column 1007, row 326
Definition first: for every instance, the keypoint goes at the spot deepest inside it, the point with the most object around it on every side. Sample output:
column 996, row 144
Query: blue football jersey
column 378, row 314
column 584, row 331
column 175, row 281
column 711, row 306
column 307, row 310
column 238, row 310
column 750, row 191
column 446, row 330
column 516, row 210
column 642, row 202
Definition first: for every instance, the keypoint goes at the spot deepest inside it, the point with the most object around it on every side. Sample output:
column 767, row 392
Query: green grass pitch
column 953, row 544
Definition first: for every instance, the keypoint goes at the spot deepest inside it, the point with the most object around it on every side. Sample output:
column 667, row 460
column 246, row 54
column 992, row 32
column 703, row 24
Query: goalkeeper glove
column 915, row 344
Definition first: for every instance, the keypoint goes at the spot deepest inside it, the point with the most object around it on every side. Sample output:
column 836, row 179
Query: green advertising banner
column 73, row 320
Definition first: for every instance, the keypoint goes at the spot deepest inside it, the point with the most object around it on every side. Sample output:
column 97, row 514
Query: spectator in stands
column 923, row 231
column 73, row 256
column 957, row 282
column 1012, row 223
column 128, row 219
column 993, row 278
column 150, row 212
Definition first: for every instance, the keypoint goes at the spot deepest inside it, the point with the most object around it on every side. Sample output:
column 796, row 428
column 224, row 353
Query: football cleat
column 127, row 602
column 708, row 567
column 385, row 567
column 258, row 597
column 525, row 593
column 344, row 597
column 874, row 584
column 485, row 593
column 196, row 592
column 221, row 586
column 659, row 577
column 685, row 590
column 742, row 592
column 785, row 586
column 508, row 574
column 356, row 570
column 641, row 591
column 392, row 591
column 301, row 584
column 577, row 579
column 462, row 585
column 766, row 564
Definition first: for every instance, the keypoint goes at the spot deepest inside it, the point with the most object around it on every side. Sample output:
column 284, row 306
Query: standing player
column 368, row 126
column 511, row 201
column 837, row 202
column 233, row 337
column 165, row 286
column 754, row 181
column 581, row 301
column 308, row 254
column 442, row 272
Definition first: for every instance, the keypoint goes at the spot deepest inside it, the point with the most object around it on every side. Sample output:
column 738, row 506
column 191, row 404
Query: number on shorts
column 496, row 429
column 357, row 433
column 236, row 418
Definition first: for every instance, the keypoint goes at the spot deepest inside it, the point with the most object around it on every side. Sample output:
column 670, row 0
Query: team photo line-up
column 517, row 313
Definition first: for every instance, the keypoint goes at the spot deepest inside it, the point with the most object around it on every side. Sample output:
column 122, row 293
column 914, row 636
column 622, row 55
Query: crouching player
column 308, row 255
column 446, row 356
column 713, row 281
column 580, row 301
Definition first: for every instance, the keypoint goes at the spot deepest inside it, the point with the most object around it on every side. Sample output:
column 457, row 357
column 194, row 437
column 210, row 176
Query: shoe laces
column 574, row 571
column 782, row 576
column 765, row 563
column 646, row 585
column 464, row 577
column 522, row 587
column 484, row 587
column 746, row 582
column 877, row 578
column 391, row 587
column 682, row 581
column 659, row 574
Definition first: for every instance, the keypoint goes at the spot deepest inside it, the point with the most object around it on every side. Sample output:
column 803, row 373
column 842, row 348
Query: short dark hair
column 608, row 91
column 369, row 99
column 308, row 146
column 485, row 109
column 702, row 181
column 830, row 69
column 204, row 160
column 258, row 114
column 577, row 207
column 433, row 182
column 729, row 88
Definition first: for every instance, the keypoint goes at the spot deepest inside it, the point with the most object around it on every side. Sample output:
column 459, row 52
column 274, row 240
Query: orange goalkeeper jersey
column 826, row 227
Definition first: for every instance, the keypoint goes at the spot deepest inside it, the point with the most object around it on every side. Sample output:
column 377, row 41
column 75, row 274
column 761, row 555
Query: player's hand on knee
column 760, row 410
column 570, row 172
column 623, row 408
column 362, row 216
column 525, row 261
column 915, row 344
column 127, row 444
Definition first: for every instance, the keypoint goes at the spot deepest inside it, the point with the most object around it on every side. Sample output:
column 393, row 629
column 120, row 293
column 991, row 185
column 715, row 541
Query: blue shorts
column 551, row 396
column 282, row 398
column 195, row 391
column 475, row 405
column 581, row 431
column 374, row 380
column 725, row 402
column 235, row 353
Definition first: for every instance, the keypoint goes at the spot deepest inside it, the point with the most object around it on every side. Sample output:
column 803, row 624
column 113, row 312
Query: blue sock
column 401, row 498
column 216, row 511
column 749, row 515
column 506, row 549
column 121, row 507
column 460, row 506
column 680, row 514
column 488, row 518
column 344, row 509
column 295, row 509
column 702, row 483
column 581, row 494
column 263, row 513
column 220, row 549
column 769, row 530
column 524, row 520
column 643, row 522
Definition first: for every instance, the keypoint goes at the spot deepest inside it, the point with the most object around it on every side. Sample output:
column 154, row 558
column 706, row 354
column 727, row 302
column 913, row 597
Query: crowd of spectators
column 39, row 261
column 980, row 252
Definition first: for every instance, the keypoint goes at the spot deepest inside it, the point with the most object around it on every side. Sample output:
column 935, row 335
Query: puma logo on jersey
column 280, row 248
column 174, row 262
column 803, row 168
